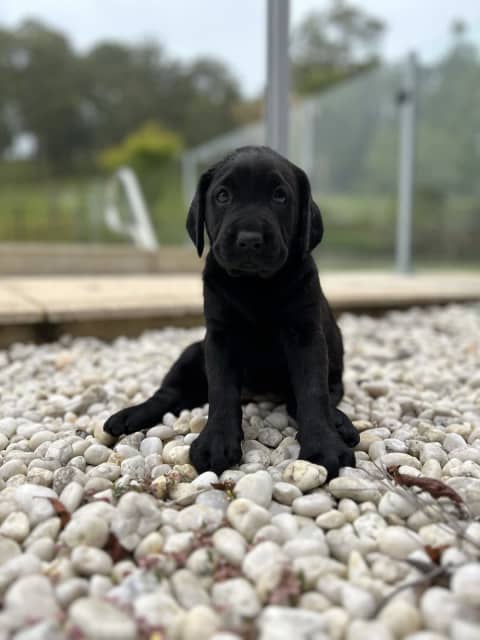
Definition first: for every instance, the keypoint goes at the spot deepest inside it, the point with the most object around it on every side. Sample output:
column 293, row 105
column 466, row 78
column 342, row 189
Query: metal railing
column 139, row 227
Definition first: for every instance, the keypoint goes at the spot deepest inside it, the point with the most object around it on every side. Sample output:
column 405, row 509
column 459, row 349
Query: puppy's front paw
column 126, row 421
column 215, row 450
column 345, row 428
column 329, row 451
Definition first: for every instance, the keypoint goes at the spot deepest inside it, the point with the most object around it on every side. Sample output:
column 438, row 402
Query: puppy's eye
column 279, row 195
column 223, row 196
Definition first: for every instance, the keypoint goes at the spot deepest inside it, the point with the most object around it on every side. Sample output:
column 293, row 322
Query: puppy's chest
column 264, row 363
column 262, row 319
column 262, row 311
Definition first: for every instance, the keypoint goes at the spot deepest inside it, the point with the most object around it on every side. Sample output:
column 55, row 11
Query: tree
column 44, row 95
column 332, row 45
column 215, row 94
column 122, row 87
column 8, row 123
column 77, row 104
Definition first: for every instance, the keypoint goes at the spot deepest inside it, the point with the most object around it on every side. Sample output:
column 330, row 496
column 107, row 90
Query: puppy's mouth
column 250, row 270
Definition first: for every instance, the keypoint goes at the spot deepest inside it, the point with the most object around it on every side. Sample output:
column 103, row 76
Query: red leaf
column 115, row 549
column 435, row 553
column 60, row 511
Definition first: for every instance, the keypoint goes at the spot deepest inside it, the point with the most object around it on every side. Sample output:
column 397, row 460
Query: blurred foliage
column 448, row 143
column 75, row 104
column 131, row 104
column 332, row 45
column 145, row 150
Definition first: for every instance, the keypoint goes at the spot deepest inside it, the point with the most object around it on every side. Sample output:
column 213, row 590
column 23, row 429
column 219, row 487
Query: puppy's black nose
column 249, row 240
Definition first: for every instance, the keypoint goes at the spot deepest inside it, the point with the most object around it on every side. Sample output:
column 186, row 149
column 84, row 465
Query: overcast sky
column 233, row 30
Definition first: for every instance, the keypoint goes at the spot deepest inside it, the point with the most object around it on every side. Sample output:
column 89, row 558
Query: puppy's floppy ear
column 310, row 228
column 196, row 213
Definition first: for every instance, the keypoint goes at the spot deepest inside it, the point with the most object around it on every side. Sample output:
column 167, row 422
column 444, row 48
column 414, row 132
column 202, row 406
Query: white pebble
column 401, row 617
column 357, row 602
column 466, row 584
column 159, row 609
column 398, row 542
column 18, row 566
column 96, row 454
column 99, row 620
column 32, row 597
column 439, row 607
column 393, row 504
column 261, row 559
column 15, row 526
column 247, row 517
column 200, row 623
column 285, row 492
column 359, row 489
column 89, row 560
column 71, row 496
column 256, row 487
column 277, row 420
column 305, row 475
column 173, row 453
column 332, row 519
column 237, row 598
column 151, row 445
column 312, row 505
column 71, row 589
column 368, row 630
column 91, row 531
column 230, row 544
column 282, row 623
column 152, row 544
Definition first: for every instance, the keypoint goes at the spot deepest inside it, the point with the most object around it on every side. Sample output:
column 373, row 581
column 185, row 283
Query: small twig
column 427, row 578
column 435, row 509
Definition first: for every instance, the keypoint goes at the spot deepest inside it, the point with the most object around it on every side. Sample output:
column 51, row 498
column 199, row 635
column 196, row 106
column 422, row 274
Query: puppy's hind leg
column 184, row 387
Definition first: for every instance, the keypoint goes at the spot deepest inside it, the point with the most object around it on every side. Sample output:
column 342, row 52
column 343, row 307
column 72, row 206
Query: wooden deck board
column 66, row 301
column 16, row 309
column 92, row 298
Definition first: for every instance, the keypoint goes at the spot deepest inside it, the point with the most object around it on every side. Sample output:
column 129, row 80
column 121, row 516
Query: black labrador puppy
column 269, row 328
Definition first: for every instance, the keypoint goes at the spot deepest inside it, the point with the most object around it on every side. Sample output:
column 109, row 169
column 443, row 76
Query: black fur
column 269, row 326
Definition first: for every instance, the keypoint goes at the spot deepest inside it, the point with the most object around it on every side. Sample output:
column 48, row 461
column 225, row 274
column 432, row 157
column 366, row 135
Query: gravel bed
column 120, row 540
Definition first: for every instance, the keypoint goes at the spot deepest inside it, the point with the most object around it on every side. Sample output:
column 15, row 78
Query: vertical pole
column 406, row 175
column 278, row 75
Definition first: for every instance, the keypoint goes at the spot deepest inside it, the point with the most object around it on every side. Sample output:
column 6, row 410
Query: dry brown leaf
column 115, row 549
column 436, row 488
column 435, row 553
column 60, row 511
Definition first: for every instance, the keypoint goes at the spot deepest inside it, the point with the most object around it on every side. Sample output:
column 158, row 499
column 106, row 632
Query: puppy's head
column 257, row 209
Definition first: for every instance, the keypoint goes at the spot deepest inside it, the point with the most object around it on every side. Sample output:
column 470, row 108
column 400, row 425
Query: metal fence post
column 407, row 99
column 278, row 81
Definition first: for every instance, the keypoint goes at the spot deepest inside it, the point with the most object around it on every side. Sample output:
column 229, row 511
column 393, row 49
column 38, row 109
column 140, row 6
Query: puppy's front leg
column 307, row 357
column 218, row 447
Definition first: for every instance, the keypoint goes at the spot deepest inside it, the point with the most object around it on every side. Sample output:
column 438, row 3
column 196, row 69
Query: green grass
column 359, row 228
column 50, row 211
column 71, row 210
column 363, row 227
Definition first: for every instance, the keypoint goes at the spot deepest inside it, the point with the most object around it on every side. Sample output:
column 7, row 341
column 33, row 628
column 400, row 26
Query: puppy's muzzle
column 248, row 245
